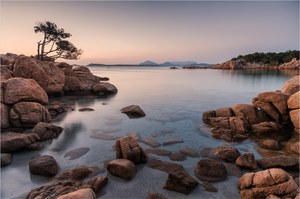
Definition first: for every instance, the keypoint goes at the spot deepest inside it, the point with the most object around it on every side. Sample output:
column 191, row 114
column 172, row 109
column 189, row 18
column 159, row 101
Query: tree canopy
column 269, row 58
column 54, row 44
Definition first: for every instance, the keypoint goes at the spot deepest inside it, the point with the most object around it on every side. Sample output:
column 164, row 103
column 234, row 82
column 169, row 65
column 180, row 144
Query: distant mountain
column 184, row 63
column 148, row 63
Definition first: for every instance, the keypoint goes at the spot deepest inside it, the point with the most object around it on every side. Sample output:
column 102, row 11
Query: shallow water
column 173, row 100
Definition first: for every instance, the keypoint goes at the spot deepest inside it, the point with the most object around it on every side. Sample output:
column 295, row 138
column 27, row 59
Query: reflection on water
column 172, row 100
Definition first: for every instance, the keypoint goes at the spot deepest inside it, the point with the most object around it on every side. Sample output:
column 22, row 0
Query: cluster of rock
column 271, row 115
column 57, row 78
column 242, row 64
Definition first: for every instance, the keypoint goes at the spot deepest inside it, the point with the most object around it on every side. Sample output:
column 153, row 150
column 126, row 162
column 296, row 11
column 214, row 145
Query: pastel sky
column 132, row 32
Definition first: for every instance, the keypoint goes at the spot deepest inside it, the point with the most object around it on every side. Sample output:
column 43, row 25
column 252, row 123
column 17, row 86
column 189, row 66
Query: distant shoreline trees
column 269, row 58
column 54, row 44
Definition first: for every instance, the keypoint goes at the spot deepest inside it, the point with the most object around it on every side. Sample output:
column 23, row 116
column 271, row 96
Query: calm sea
column 173, row 101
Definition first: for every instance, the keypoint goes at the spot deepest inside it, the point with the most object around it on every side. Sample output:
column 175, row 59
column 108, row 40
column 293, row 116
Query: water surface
column 173, row 100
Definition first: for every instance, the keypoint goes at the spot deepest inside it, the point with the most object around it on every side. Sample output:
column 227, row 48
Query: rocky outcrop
column 268, row 182
column 294, row 64
column 122, row 168
column 70, row 181
column 14, row 141
column 46, row 74
column 23, row 90
column 180, row 181
column 7, row 59
column 28, row 114
column 210, row 170
column 5, row 74
column 128, row 148
column 164, row 166
column 47, row 131
column 44, row 165
column 86, row 193
column 133, row 111
column 291, row 86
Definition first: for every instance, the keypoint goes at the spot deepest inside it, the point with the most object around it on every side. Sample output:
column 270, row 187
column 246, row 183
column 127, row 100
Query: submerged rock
column 154, row 195
column 85, row 109
column 76, row 153
column 162, row 152
column 189, row 152
column 172, row 140
column 133, row 111
column 164, row 166
column 180, row 181
column 151, row 142
column 209, row 187
column 45, row 165
column 177, row 156
column 268, row 182
column 122, row 168
column 210, row 170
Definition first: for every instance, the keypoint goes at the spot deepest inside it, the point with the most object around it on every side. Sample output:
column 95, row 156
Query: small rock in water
column 151, row 142
column 6, row 159
column 106, row 131
column 133, row 111
column 232, row 169
column 227, row 153
column 154, row 195
column 122, row 168
column 172, row 140
column 162, row 132
column 102, row 136
column 209, row 187
column 177, row 156
column 76, row 153
column 189, row 152
column 44, row 165
column 162, row 152
column 180, row 181
column 210, row 170
column 85, row 109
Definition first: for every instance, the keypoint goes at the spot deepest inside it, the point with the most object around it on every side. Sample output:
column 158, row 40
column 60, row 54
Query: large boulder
column 86, row 193
column 283, row 161
column 13, row 141
column 224, row 112
column 278, row 99
column 291, row 86
column 246, row 111
column 47, row 131
column 269, row 109
column 28, row 114
column 128, row 148
column 180, row 181
column 295, row 118
column 210, row 170
column 268, row 182
column 44, row 165
column 4, row 116
column 96, row 183
column 23, row 90
column 46, row 74
column 294, row 101
column 104, row 88
column 122, row 168
column 73, row 84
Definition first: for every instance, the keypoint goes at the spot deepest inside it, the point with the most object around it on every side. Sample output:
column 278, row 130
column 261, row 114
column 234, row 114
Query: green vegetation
column 53, row 45
column 269, row 58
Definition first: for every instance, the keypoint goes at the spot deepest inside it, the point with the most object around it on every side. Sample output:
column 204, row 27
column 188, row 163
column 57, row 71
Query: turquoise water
column 173, row 100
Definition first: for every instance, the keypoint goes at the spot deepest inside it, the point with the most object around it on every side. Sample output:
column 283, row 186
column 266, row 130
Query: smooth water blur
column 172, row 100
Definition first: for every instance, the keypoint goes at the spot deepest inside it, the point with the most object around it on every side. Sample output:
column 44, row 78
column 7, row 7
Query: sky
column 135, row 31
